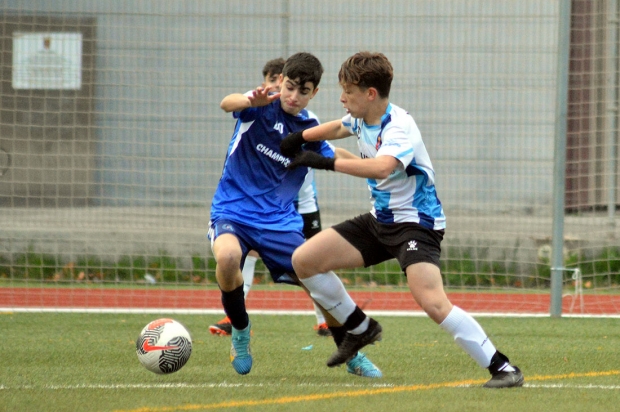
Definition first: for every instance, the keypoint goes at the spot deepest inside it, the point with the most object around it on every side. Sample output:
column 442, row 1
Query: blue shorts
column 274, row 247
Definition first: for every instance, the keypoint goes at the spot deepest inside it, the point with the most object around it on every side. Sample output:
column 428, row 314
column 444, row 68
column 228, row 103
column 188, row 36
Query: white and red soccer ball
column 164, row 346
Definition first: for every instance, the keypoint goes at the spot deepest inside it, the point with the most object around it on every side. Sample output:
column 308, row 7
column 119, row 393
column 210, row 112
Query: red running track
column 293, row 300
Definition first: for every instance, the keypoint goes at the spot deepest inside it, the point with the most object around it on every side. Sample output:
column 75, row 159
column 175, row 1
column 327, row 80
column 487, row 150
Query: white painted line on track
column 276, row 312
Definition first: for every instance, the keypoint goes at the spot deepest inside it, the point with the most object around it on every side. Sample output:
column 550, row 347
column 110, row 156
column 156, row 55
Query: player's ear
column 372, row 93
column 314, row 92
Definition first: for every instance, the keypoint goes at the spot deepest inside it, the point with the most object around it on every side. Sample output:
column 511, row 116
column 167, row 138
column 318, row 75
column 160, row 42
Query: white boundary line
column 563, row 386
column 225, row 385
column 5, row 310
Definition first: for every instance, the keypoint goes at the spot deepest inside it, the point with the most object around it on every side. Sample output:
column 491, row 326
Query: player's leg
column 321, row 327
column 228, row 254
column 312, row 226
column 248, row 272
column 223, row 327
column 314, row 262
column 359, row 364
column 426, row 286
column 275, row 250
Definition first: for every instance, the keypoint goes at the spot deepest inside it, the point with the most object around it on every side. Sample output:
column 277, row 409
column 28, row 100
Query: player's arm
column 237, row 102
column 374, row 168
column 292, row 143
column 327, row 131
column 340, row 153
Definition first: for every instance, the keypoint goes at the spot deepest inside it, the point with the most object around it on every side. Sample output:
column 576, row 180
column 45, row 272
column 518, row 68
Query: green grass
column 87, row 362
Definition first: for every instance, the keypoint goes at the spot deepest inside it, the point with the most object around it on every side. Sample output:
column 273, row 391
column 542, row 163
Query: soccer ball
column 164, row 346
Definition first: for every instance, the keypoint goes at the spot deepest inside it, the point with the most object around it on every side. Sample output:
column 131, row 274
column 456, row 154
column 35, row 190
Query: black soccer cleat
column 506, row 379
column 221, row 328
column 351, row 344
column 322, row 329
column 500, row 378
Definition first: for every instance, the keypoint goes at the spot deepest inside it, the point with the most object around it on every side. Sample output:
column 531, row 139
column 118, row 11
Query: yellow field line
column 356, row 393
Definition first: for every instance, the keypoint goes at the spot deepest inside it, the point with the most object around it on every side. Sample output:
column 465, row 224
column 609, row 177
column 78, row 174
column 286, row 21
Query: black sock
column 234, row 306
column 497, row 361
column 355, row 319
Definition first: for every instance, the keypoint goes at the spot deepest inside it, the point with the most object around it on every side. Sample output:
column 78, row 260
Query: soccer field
column 87, row 362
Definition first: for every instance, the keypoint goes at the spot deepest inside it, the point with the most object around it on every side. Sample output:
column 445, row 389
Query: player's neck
column 376, row 112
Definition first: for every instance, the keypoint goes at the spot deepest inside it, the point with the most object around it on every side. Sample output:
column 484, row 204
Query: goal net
column 112, row 143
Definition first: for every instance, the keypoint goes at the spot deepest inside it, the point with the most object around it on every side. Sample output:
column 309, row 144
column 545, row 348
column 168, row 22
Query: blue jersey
column 256, row 188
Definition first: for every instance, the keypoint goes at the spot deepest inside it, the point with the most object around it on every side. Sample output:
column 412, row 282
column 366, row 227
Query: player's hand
column 291, row 144
column 313, row 160
column 262, row 96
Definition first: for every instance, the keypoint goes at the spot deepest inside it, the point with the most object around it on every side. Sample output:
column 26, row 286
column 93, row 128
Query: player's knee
column 437, row 310
column 296, row 260
column 300, row 263
column 228, row 260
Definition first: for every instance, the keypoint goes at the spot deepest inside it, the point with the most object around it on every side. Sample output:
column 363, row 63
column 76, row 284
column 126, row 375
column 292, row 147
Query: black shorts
column 312, row 223
column 408, row 242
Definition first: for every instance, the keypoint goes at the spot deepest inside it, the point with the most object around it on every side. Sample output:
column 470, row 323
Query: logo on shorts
column 315, row 224
column 226, row 226
column 413, row 245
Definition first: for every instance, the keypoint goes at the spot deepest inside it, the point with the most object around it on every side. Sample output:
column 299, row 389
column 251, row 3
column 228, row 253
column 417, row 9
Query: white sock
column 327, row 289
column 506, row 368
column 320, row 319
column 363, row 327
column 248, row 274
column 469, row 335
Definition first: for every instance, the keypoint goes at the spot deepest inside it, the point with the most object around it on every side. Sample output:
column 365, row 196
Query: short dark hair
column 366, row 69
column 274, row 66
column 305, row 67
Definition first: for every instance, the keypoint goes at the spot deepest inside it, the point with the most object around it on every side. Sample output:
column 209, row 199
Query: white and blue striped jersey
column 256, row 188
column 408, row 194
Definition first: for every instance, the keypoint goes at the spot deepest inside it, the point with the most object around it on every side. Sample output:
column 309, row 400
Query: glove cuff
column 298, row 138
column 330, row 163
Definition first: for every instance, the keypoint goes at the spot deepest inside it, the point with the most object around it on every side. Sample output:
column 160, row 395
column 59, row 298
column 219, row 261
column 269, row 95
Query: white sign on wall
column 47, row 60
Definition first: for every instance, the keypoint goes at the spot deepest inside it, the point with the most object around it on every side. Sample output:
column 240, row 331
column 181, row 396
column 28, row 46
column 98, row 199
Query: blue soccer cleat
column 240, row 354
column 361, row 366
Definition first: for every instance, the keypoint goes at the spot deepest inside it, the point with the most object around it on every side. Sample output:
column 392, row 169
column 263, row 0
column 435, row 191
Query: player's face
column 273, row 81
column 354, row 100
column 294, row 97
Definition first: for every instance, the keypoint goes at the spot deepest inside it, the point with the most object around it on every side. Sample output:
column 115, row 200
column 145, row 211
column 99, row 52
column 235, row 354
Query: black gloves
column 313, row 160
column 291, row 144
column 290, row 147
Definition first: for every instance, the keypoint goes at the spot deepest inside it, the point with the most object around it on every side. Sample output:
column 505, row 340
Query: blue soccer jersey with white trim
column 408, row 194
column 256, row 188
